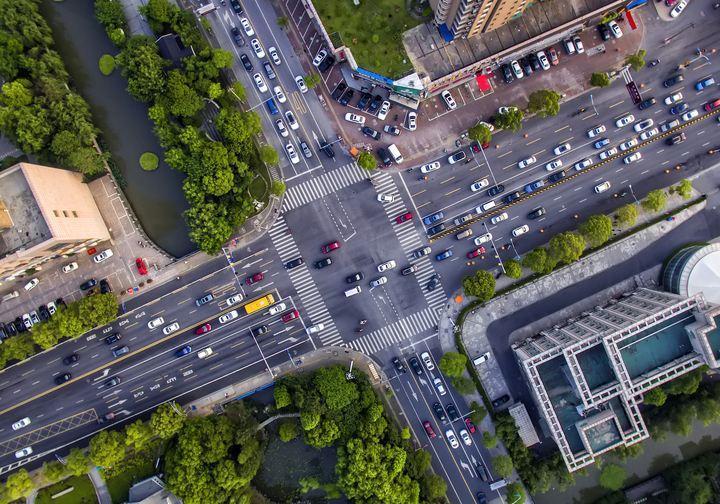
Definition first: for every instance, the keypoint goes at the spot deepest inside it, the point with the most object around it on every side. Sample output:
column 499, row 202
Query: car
column 439, row 386
column 544, row 63
column 499, row 218
column 600, row 128
column 364, row 101
column 246, row 62
column 449, row 100
column 156, row 322
column 604, row 31
column 102, row 256
column 377, row 282
column 688, row 116
column 527, row 162
column 321, row 55
column 712, row 105
column 237, row 37
column 462, row 219
column 71, row 359
column 470, row 426
column 44, row 313
column 433, row 218
column 673, row 98
column 205, row 353
column 608, row 153
column 615, row 29
column 235, row 4
column 430, row 167
column 433, row 282
column 355, row 277
column 399, row 366
column 387, row 265
column 305, row 148
column 439, row 412
column 384, row 110
column 227, row 317
column 423, row 251
column 517, row 71
column 24, row 452
column 274, row 56
column 444, row 255
column 509, row 198
column 457, row 157
column 533, row 186
column 338, row 91
column 354, row 118
column 117, row 352
column 580, row 165
column 11, row 329
column 495, row 190
column 429, row 430
column 368, row 131
column 668, row 126
column 256, row 277
column 113, row 338
column 535, row 62
column 23, row 422
column 409, row 270
column 415, row 364
column 257, row 47
column 676, row 139
column 292, row 155
column 292, row 122
column 552, row 165
column 677, row 10
column 646, row 135
column 327, row 149
column 183, row 351
column 553, row 56
column 385, row 198
column 475, row 252
column 205, row 328
column 322, row 263
column 624, row 120
column 450, row 435
column 32, row 284
column 536, row 213
column 578, row 44
column 635, row 156
column 569, row 46
column 260, row 83
column 601, row 143
column 375, row 103
column 452, row 412
column 671, row 81
column 393, row 130
column 500, row 401
column 169, row 329
column 520, row 230
column 329, row 247
column 274, row 310
column 561, row 149
column 34, row 317
column 628, row 144
column 204, row 299
column 70, row 267
column 602, row 187
column 294, row 263
column 465, row 437
column 300, row 82
column 27, row 321
column 290, row 316
column 679, row 108
column 62, row 378
column 507, row 73
column 403, row 217
column 113, row 382
column 479, row 184
column 483, row 238
column 435, row 229
column 525, row 64
column 384, row 156
column 326, row 63
column 643, row 125
column 411, row 121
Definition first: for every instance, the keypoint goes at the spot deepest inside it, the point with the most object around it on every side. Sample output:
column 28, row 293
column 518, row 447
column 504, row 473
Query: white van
column 464, row 234
column 353, row 291
column 10, row 295
column 395, row 153
column 485, row 207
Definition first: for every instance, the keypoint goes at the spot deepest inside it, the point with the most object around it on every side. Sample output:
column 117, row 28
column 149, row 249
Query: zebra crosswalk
column 313, row 304
column 319, row 187
column 396, row 332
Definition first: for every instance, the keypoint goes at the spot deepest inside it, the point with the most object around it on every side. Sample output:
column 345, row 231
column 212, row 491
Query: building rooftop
column 23, row 224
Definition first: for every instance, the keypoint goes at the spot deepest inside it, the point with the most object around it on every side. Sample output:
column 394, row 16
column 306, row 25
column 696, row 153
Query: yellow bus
column 259, row 304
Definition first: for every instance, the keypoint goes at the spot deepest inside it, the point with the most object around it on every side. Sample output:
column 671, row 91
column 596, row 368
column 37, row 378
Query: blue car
column 707, row 82
column 601, row 143
column 444, row 255
column 679, row 108
column 183, row 351
column 272, row 108
column 534, row 186
column 433, row 218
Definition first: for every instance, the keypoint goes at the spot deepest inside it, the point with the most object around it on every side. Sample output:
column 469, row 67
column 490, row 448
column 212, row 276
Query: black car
column 3, row 332
column 117, row 352
column 114, row 337
column 645, row 104
column 346, row 97
column 19, row 325
column 375, row 103
column 355, row 277
column 10, row 329
column 88, row 284
column 237, row 37
column 107, row 417
column 482, row 472
column 538, row 212
column 439, row 412
column 452, row 412
column 535, row 62
column 409, row 270
column 326, row 63
column 495, row 190
column 500, row 401
column 327, row 150
column 259, row 330
column 507, row 73
column 604, row 32
column 364, row 101
column 60, row 302
column 62, row 378
column 481, row 498
column 113, row 382
column 71, row 359
column 676, row 139
column 294, row 263
column 559, row 175
column 236, row 7
column 43, row 312
column 512, row 197
column 673, row 80
column 456, row 157
column 393, row 130
column 338, row 91
column 269, row 70
column 368, row 131
column 415, row 364
column 105, row 286
column 384, row 156
column 398, row 365
column 246, row 62
column 433, row 282
column 525, row 64
column 323, row 263
column 436, row 229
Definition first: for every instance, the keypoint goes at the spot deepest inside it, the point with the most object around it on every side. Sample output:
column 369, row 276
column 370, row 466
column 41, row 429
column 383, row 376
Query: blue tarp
column 375, row 77
column 446, row 33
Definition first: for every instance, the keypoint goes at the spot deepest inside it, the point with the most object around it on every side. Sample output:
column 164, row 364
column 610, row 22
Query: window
column 74, row 214
column 65, row 213
column 57, row 214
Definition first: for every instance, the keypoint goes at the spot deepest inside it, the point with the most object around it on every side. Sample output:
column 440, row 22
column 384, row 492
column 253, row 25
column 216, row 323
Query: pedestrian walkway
column 394, row 333
column 312, row 302
column 101, row 489
column 319, row 187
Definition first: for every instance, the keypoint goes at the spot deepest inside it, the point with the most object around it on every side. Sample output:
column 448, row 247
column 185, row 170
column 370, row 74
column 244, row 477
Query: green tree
column 77, row 462
column 597, row 229
column 281, row 21
column 143, row 67
column 613, row 477
column 18, row 484
column 278, row 188
column 687, row 384
column 238, row 91
column 337, row 391
column 636, row 60
column 167, row 420
column 477, row 413
column 238, row 127
column 480, row 133
column 513, row 268
column 434, row 487
column 537, row 260
column 288, row 430
column 158, row 13
column 655, row 201
column 511, row 120
column 179, row 97
column 269, row 155
column 503, row 466
column 45, row 335
column 489, row 441
column 515, row 493
column 683, row 189
column 282, row 396
column 463, row 385
column 312, row 79
column 481, row 285
column 452, row 364
column 627, row 215
column 708, row 411
column 600, row 79
column 367, row 161
column 110, row 14
column 544, row 102
column 566, row 247
column 138, row 434
column 107, row 448
column 53, row 471
column 655, row 397
column 97, row 310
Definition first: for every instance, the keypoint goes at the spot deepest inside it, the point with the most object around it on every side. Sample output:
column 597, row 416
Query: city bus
column 259, row 303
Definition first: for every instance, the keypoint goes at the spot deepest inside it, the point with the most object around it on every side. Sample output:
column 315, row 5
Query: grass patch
column 119, row 483
column 83, row 492
column 373, row 31
column 106, row 64
column 149, row 161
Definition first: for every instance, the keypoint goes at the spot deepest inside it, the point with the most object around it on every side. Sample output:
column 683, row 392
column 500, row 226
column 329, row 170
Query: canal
column 156, row 197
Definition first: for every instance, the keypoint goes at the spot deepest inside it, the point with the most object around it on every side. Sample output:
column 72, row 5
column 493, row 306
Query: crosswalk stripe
column 320, row 186
column 398, row 331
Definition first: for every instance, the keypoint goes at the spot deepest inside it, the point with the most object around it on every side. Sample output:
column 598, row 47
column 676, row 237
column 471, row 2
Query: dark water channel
column 157, row 196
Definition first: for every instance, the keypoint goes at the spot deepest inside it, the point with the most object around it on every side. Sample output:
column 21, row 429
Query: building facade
column 467, row 18
column 44, row 213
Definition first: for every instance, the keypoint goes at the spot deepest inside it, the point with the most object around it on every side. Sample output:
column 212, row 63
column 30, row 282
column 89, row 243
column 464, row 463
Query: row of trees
column 636, row 61
column 39, row 110
column 376, row 462
column 77, row 319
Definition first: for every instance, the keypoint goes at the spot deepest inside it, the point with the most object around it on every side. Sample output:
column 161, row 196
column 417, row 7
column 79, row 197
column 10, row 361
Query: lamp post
column 497, row 254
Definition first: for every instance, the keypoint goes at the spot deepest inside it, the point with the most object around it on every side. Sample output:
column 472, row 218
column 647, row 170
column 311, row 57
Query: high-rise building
column 589, row 374
column 44, row 213
column 467, row 18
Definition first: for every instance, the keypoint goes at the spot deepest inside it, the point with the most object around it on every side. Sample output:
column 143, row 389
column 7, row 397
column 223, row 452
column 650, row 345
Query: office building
column 467, row 18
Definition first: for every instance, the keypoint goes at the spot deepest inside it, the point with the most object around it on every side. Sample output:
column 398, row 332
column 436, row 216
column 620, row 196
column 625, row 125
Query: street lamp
column 497, row 253
column 488, row 165
column 517, row 256
column 635, row 198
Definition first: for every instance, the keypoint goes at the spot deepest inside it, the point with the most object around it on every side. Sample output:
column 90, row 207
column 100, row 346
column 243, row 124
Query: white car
column 280, row 125
column 439, row 386
column 505, row 110
column 258, row 48
column 479, row 184
column 600, row 128
column 260, row 83
column 449, row 100
column 319, row 57
column 643, row 125
column 483, row 358
column 171, row 328
column 292, row 122
column 624, row 120
column 231, row 315
column 274, row 56
column 412, row 121
column 668, row 126
column 552, row 165
column 544, row 63
column 578, row 44
column 520, row 230
column 31, row 284
column 315, row 329
column 677, row 10
column 465, row 437
column 484, row 238
column 105, row 254
column 673, row 98
column 450, row 435
column 385, row 198
column 384, row 109
column 635, row 156
column 233, row 300
column 499, row 218
column 628, row 144
column 692, row 114
column 70, row 267
column 205, row 353
column 645, row 135
column 561, row 149
column 274, row 310
column 52, row 308
column 354, row 118
column 155, row 322
column 583, row 164
column 489, row 126
column 610, row 152
column 23, row 422
column 294, row 158
column 516, row 69
column 429, row 167
column 527, row 162
column 602, row 187
column 24, row 452
column 378, row 281
column 615, row 29
column 277, row 90
column 386, row 266
column 247, row 27
column 301, row 84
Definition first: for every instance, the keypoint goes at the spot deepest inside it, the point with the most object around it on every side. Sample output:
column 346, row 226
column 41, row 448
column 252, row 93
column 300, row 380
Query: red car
column 326, row 249
column 140, row 264
column 403, row 218
column 470, row 426
column 552, row 56
column 429, row 429
column 254, row 278
column 712, row 105
column 203, row 329
column 476, row 252
column 290, row 316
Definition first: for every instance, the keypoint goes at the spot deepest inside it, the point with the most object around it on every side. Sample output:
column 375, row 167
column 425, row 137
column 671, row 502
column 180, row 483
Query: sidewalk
column 101, row 489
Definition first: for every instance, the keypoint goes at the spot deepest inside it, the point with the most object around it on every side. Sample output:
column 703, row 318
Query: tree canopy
column 480, row 285
column 597, row 229
column 544, row 102
column 452, row 364
column 655, row 201
column 600, row 79
column 480, row 133
column 613, row 477
column 510, row 120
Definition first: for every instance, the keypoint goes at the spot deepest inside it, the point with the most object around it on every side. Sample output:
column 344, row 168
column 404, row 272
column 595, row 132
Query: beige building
column 467, row 18
column 44, row 213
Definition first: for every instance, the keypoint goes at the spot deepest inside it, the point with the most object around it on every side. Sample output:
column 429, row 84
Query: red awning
column 483, row 83
column 631, row 20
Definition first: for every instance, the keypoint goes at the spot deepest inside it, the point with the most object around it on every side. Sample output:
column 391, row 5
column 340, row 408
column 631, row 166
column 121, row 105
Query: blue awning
column 446, row 33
